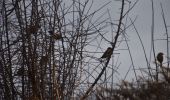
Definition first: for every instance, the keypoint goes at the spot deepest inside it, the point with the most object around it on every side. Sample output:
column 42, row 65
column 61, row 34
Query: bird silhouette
column 57, row 36
column 107, row 53
column 160, row 58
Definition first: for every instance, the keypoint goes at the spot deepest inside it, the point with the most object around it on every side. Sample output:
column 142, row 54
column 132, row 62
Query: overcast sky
column 143, row 12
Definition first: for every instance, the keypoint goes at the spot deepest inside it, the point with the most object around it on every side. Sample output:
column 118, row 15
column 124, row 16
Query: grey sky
column 143, row 24
column 143, row 12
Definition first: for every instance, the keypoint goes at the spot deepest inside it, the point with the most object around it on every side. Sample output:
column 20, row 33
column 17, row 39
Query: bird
column 57, row 36
column 107, row 53
column 160, row 58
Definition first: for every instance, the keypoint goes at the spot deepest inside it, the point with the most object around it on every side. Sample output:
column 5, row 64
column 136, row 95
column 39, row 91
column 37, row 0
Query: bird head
column 109, row 48
column 161, row 53
column 160, row 57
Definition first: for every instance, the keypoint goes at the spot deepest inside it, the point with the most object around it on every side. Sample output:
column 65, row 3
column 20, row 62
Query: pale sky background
column 143, row 12
column 143, row 24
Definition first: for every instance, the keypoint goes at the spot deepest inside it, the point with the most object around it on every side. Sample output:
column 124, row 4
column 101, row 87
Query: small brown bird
column 57, row 36
column 107, row 53
column 160, row 58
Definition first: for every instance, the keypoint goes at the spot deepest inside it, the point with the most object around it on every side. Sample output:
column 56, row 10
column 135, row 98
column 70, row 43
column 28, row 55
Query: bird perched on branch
column 107, row 53
column 160, row 58
column 56, row 35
